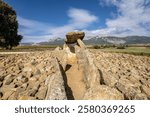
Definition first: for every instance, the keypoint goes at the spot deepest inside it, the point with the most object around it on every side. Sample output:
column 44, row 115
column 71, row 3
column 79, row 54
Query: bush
column 96, row 47
column 121, row 47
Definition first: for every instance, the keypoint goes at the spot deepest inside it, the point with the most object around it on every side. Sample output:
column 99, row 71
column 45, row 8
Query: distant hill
column 118, row 40
column 100, row 40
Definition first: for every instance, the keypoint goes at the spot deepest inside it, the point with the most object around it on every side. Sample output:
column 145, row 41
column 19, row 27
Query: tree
column 8, row 27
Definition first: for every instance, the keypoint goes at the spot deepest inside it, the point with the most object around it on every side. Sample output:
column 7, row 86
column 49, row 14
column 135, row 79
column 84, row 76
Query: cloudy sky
column 41, row 20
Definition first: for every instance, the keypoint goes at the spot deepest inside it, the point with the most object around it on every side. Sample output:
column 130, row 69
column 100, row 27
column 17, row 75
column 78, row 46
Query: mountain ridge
column 100, row 40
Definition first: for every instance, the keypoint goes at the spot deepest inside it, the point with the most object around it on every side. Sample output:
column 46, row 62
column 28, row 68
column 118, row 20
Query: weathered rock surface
column 103, row 92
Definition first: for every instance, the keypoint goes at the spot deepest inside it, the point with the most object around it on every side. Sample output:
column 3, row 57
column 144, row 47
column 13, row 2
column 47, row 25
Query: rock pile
column 31, row 76
column 74, row 72
column 129, row 74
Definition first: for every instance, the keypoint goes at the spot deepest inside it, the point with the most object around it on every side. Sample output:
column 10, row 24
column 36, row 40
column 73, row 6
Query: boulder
column 73, row 36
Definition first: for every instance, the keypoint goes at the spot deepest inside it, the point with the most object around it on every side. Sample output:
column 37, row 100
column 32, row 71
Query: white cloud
column 133, row 18
column 30, row 29
column 80, row 17
column 28, row 26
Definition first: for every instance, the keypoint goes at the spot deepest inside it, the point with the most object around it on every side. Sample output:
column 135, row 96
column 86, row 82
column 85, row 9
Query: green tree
column 8, row 27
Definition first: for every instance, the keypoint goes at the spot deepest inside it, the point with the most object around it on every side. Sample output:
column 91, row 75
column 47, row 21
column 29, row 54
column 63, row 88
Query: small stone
column 13, row 97
column 41, row 94
column 22, row 88
column 37, row 72
column 1, row 78
column 7, row 94
column 34, row 90
column 24, row 80
column 8, row 79
column 29, row 74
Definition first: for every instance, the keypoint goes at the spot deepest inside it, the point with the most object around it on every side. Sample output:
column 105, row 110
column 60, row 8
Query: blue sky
column 41, row 20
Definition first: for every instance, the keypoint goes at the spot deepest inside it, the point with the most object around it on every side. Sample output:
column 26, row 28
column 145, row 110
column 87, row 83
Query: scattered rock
column 8, row 79
column 34, row 90
column 41, row 75
column 7, row 94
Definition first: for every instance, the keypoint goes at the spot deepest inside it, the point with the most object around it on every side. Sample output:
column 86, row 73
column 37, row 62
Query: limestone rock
column 81, row 44
column 7, row 94
column 34, row 90
column 41, row 94
column 56, row 88
column 103, row 93
column 127, row 88
column 8, row 79
column 73, row 36
column 87, row 64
